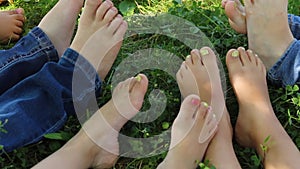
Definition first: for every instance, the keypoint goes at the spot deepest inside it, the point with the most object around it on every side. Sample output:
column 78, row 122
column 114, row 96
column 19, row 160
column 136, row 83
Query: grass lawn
column 208, row 16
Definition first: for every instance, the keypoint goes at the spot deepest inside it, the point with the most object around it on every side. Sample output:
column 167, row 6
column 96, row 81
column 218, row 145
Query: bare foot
column 248, row 78
column 186, row 149
column 269, row 34
column 240, row 63
column 102, row 48
column 236, row 14
column 126, row 101
column 96, row 144
column 11, row 24
column 199, row 75
column 59, row 23
column 95, row 15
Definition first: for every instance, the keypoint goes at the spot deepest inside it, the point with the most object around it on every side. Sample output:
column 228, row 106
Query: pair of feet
column 11, row 25
column 265, row 23
column 198, row 76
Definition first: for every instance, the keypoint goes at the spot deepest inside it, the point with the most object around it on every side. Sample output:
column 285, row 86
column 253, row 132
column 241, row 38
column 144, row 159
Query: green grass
column 206, row 15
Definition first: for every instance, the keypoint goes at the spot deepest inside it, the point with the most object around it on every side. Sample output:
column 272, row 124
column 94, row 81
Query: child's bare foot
column 186, row 149
column 236, row 14
column 95, row 15
column 269, row 34
column 248, row 78
column 11, row 25
column 96, row 144
column 102, row 48
column 199, row 75
column 126, row 101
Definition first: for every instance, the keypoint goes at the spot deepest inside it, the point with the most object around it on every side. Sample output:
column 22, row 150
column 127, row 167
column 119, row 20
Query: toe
column 103, row 9
column 233, row 60
column 91, row 6
column 109, row 16
column 138, row 89
column 115, row 24
column 251, row 56
column 122, row 30
column 208, row 57
column 188, row 108
column 20, row 11
column 209, row 124
column 244, row 56
column 195, row 58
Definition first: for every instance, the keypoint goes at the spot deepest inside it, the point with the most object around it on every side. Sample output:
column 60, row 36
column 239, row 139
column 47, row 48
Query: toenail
column 235, row 54
column 138, row 78
column 195, row 101
column 204, row 52
column 188, row 56
column 205, row 104
column 214, row 116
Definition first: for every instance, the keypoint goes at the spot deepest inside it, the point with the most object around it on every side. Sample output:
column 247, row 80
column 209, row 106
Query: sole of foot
column 269, row 34
column 187, row 147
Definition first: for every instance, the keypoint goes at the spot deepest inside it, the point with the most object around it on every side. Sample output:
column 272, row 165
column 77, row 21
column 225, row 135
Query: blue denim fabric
column 25, row 58
column 294, row 23
column 41, row 102
column 286, row 70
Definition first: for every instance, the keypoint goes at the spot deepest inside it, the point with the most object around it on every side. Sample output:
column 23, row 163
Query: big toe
column 91, row 6
column 233, row 61
column 138, row 89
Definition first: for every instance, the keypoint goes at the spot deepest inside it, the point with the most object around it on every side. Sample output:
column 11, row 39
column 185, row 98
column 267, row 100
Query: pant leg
column 40, row 103
column 287, row 69
column 25, row 58
column 294, row 23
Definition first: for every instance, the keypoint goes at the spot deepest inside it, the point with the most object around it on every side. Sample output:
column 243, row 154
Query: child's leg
column 59, row 22
column 11, row 24
column 50, row 89
column 220, row 152
column 206, row 79
column 256, row 120
column 26, row 58
column 96, row 144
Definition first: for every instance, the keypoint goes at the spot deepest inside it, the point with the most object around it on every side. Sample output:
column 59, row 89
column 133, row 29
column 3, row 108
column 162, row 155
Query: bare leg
column 220, row 151
column 269, row 34
column 11, row 23
column 207, row 83
column 96, row 144
column 256, row 120
column 185, row 149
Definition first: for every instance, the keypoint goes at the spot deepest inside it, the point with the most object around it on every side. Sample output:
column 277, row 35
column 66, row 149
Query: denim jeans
column 286, row 70
column 36, row 89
